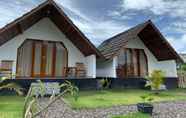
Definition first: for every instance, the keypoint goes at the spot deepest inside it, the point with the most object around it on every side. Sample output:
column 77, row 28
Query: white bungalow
column 136, row 53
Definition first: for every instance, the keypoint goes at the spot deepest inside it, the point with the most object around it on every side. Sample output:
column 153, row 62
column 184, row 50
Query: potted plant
column 146, row 106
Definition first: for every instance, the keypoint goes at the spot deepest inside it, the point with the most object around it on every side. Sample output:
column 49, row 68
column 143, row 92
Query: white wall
column 168, row 66
column 91, row 66
column 108, row 69
column 43, row 30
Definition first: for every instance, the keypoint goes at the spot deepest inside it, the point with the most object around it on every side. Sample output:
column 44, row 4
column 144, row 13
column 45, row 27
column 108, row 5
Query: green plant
column 105, row 83
column 182, row 67
column 156, row 79
column 32, row 107
column 10, row 86
column 147, row 98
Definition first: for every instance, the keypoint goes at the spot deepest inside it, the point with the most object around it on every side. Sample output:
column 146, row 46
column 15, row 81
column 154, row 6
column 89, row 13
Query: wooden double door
column 38, row 58
column 132, row 63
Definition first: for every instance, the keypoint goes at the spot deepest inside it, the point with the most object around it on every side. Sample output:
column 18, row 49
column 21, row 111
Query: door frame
column 123, row 71
column 33, row 57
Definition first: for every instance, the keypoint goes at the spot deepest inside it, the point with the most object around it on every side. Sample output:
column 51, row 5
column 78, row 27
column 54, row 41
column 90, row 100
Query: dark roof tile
column 114, row 44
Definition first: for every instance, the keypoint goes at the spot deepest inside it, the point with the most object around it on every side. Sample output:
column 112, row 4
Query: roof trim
column 166, row 42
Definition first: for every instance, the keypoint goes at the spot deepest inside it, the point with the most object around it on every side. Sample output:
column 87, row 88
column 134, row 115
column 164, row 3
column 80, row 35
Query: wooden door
column 43, row 59
column 132, row 63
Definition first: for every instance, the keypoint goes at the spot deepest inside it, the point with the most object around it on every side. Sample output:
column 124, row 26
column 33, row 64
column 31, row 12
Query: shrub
column 105, row 83
column 156, row 79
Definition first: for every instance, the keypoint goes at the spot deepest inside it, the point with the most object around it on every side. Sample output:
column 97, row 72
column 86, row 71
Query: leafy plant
column 10, row 86
column 147, row 98
column 32, row 107
column 105, row 83
column 156, row 79
column 182, row 67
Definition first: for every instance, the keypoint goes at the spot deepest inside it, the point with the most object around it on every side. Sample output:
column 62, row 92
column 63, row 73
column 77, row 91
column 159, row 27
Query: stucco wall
column 91, row 66
column 168, row 66
column 43, row 30
column 106, row 68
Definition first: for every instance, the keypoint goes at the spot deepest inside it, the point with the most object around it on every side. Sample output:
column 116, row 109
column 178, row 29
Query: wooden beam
column 33, row 59
column 54, row 60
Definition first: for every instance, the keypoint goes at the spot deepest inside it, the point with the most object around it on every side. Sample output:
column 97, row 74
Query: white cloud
column 70, row 6
column 175, row 8
column 175, row 27
column 96, row 31
column 178, row 44
column 136, row 4
column 114, row 13
column 118, row 15
column 10, row 10
column 180, row 25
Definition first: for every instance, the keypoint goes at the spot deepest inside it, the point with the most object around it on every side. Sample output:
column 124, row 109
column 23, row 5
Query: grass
column 11, row 106
column 133, row 115
column 107, row 98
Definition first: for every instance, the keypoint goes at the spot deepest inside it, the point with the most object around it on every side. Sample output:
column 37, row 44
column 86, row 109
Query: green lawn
column 11, row 106
column 107, row 98
column 133, row 115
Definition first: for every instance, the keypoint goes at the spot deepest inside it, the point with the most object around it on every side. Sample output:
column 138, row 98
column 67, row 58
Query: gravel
column 60, row 109
column 176, row 109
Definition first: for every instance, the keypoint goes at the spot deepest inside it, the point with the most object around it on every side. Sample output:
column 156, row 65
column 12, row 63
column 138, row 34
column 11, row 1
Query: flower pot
column 145, row 108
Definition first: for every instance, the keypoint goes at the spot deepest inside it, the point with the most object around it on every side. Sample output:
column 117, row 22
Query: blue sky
column 101, row 19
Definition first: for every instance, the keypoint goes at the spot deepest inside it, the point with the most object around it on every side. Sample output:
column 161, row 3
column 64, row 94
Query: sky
column 102, row 19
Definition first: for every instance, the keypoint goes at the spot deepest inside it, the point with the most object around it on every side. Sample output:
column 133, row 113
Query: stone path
column 161, row 110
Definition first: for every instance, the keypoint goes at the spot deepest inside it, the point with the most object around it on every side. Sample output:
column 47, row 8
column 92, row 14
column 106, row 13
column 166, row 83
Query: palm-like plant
column 10, row 86
column 32, row 106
